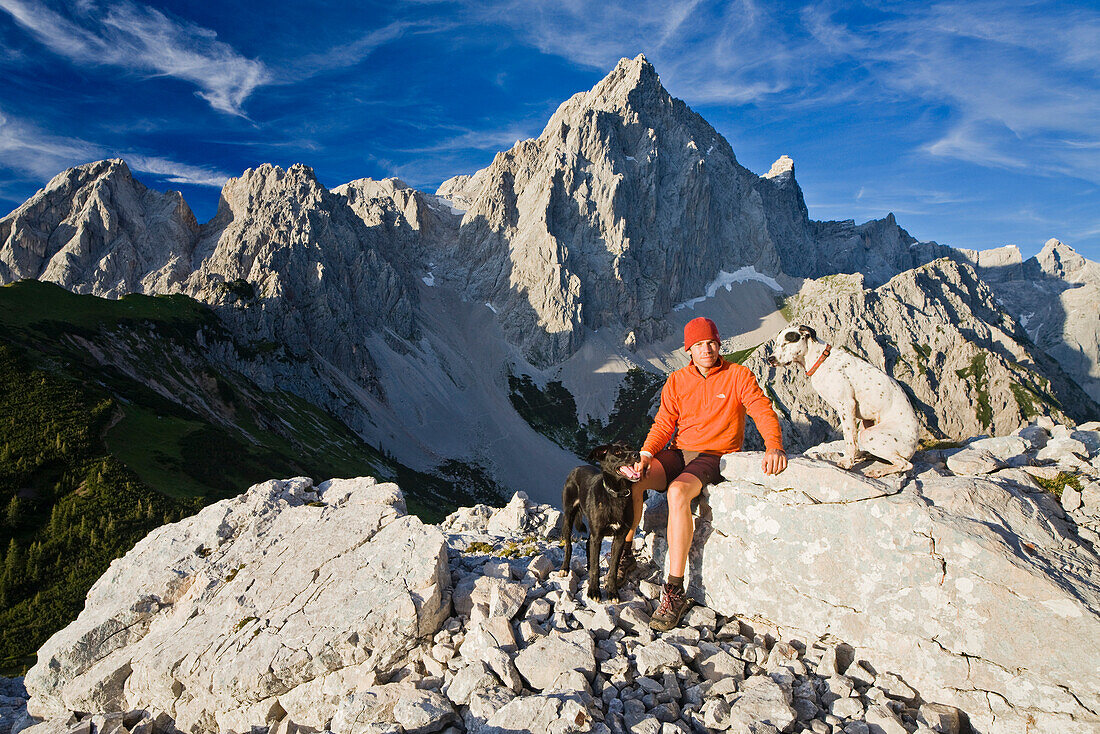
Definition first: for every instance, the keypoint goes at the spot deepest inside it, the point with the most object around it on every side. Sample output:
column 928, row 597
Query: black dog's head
column 610, row 458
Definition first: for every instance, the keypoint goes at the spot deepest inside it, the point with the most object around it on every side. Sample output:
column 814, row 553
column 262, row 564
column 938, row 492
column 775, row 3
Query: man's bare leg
column 653, row 479
column 681, row 527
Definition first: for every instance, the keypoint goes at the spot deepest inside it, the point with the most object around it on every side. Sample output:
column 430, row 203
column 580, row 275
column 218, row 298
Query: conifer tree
column 13, row 564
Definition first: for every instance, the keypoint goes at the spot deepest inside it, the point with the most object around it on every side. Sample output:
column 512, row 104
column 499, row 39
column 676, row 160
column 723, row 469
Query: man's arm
column 760, row 409
column 664, row 425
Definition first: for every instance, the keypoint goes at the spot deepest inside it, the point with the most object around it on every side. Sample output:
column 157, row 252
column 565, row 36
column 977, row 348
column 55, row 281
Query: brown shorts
column 677, row 461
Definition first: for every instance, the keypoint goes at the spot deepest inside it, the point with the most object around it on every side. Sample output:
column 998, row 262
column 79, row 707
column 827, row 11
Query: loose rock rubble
column 525, row 650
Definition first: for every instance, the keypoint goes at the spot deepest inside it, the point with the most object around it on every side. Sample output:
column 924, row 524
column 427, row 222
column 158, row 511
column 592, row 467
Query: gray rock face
column 959, row 585
column 253, row 607
column 878, row 249
column 318, row 273
column 626, row 204
column 966, row 364
column 94, row 229
column 412, row 225
column 1054, row 297
column 541, row 663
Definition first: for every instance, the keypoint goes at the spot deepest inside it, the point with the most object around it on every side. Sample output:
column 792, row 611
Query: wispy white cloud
column 40, row 155
column 348, row 54
column 176, row 172
column 146, row 41
column 1020, row 81
column 480, row 139
column 717, row 53
column 25, row 148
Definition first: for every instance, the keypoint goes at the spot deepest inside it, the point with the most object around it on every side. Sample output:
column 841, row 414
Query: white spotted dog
column 876, row 417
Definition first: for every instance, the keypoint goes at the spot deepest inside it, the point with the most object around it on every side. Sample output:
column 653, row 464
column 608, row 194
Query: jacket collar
column 721, row 366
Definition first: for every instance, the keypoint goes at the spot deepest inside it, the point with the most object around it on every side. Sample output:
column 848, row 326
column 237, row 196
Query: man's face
column 706, row 353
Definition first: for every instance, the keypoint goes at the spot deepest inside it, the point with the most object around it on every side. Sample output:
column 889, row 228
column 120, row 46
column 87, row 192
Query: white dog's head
column 790, row 345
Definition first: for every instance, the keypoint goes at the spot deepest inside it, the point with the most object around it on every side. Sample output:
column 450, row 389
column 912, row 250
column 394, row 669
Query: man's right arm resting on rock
column 664, row 425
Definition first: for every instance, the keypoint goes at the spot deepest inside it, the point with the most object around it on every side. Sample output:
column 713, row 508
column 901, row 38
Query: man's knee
column 681, row 492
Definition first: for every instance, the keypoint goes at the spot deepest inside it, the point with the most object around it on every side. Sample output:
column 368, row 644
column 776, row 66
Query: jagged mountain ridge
column 95, row 229
column 967, row 365
column 628, row 203
column 370, row 299
column 1054, row 295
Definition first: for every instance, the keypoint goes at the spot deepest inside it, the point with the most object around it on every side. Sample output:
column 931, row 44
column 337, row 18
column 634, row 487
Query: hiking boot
column 674, row 604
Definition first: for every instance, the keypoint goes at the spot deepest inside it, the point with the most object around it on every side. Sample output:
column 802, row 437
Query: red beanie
column 699, row 329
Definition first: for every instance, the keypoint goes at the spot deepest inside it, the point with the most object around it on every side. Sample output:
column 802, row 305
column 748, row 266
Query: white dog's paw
column 846, row 462
column 880, row 470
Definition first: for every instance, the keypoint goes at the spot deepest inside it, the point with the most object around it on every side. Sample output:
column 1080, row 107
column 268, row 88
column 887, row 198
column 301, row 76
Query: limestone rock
column 972, row 461
column 554, row 713
column 656, row 657
column 968, row 579
column 763, row 700
column 94, row 229
column 394, row 708
column 541, row 663
column 1053, row 295
column 286, row 588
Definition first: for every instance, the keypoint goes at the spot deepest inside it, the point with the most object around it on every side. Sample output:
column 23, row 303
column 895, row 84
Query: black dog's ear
column 807, row 331
column 596, row 455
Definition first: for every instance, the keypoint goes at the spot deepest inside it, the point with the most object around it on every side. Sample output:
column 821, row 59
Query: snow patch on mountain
column 727, row 280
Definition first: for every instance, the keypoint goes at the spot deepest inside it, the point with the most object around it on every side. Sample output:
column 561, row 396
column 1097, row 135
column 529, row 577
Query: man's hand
column 642, row 466
column 775, row 461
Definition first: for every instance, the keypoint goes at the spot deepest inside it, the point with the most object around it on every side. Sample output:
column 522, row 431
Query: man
column 703, row 406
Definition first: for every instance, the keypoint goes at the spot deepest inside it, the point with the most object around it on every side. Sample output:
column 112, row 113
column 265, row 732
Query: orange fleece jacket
column 708, row 413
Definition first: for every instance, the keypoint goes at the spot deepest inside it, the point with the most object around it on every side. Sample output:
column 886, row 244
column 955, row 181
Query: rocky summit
column 954, row 600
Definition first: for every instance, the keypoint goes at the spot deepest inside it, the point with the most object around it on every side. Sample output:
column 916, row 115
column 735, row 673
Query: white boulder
column 971, row 590
column 277, row 602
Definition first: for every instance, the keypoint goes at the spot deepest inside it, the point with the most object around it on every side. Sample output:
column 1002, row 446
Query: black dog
column 602, row 497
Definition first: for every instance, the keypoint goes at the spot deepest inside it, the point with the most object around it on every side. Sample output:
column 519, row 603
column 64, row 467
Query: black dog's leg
column 618, row 543
column 595, row 540
column 567, row 519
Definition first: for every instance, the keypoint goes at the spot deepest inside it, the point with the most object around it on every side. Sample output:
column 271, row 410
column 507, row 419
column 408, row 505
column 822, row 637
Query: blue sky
column 976, row 123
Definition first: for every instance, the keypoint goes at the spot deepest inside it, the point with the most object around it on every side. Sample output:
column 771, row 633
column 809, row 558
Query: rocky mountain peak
column 783, row 167
column 110, row 169
column 627, row 204
column 1060, row 260
column 631, row 80
column 270, row 182
column 95, row 229
column 321, row 273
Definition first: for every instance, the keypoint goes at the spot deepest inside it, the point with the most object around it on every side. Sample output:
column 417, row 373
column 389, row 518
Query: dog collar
column 810, row 372
column 614, row 492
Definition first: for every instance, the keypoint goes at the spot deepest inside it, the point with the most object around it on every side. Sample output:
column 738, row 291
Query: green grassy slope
column 114, row 420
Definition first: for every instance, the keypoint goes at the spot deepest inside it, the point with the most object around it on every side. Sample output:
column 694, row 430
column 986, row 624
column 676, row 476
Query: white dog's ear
column 807, row 331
